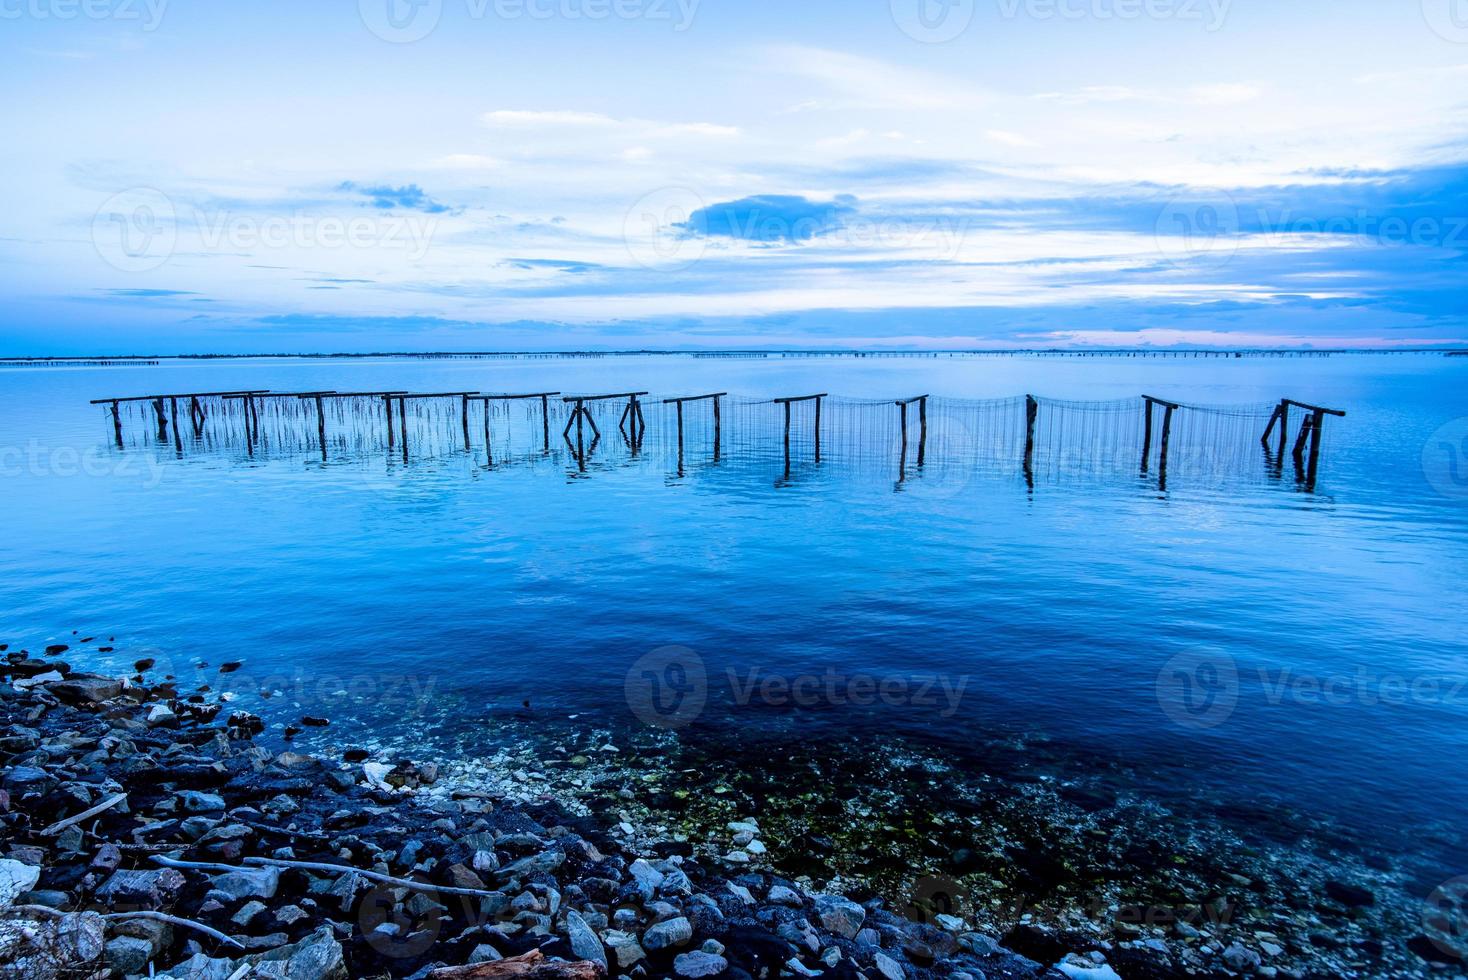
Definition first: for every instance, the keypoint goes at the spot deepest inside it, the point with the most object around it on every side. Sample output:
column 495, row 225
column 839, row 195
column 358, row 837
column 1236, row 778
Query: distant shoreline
column 110, row 360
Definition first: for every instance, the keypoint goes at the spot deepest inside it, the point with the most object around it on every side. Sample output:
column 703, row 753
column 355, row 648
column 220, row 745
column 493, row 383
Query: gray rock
column 15, row 880
column 647, row 878
column 250, row 883
column 81, row 688
column 699, row 964
column 840, row 915
column 888, row 967
column 584, row 942
column 127, row 954
column 484, row 953
column 1241, row 959
column 669, row 934
column 781, row 895
column 247, row 913
column 544, row 862
column 624, row 946
column 197, row 802
column 141, row 889
column 316, row 957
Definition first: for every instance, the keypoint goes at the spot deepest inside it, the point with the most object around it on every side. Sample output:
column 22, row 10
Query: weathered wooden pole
column 717, row 432
column 819, row 399
column 679, row 405
column 1284, row 428
column 787, row 440
column 488, row 447
column 1166, row 438
column 387, row 407
column 922, row 429
column 1147, row 433
column 545, row 422
column 249, row 430
column 403, row 425
column 162, row 418
column 173, row 420
column 465, row 416
column 1299, row 451
column 1032, row 411
column 1317, row 422
column 196, row 416
column 116, row 425
column 321, row 426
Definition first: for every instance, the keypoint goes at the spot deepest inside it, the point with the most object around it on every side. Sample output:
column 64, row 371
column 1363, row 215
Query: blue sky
column 361, row 175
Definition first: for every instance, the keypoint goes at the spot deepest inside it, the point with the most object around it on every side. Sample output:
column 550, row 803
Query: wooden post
column 1147, row 433
column 1032, row 411
column 819, row 399
column 545, row 420
column 387, row 405
column 922, row 429
column 1273, row 420
column 488, row 449
column 716, row 428
column 680, row 434
column 173, row 420
column 195, row 417
column 403, row 425
column 1284, row 429
column 321, row 425
column 787, row 440
column 162, row 418
column 249, row 432
column 116, row 425
column 466, row 421
column 1162, row 449
column 902, row 406
column 1299, row 451
column 1317, row 422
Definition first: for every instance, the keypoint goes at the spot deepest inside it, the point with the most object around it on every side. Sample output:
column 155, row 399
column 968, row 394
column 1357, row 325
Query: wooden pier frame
column 1310, row 431
column 252, row 410
column 196, row 411
column 786, row 403
column 544, row 396
column 631, row 418
column 678, row 403
column 922, row 404
column 402, row 398
column 1167, row 409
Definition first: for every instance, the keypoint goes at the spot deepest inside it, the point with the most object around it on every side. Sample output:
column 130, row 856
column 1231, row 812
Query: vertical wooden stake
column 1162, row 449
column 249, row 431
column 545, row 421
column 716, row 428
column 1146, row 434
column 173, row 420
column 116, row 425
column 922, row 429
column 787, row 440
column 902, row 406
column 1317, row 422
column 1299, row 451
column 466, row 422
column 403, row 425
column 387, row 406
column 1284, row 428
column 321, row 425
column 680, row 434
column 818, row 428
column 488, row 449
column 1032, row 411
column 162, row 418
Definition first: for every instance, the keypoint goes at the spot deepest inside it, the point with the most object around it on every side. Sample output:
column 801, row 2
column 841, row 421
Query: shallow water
column 1232, row 638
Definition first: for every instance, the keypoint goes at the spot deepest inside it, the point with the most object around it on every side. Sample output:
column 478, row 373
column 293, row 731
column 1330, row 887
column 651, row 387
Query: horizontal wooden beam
column 909, row 401
column 186, row 394
column 1161, row 401
column 1315, row 408
column 509, row 398
column 694, row 398
column 602, row 398
column 799, row 398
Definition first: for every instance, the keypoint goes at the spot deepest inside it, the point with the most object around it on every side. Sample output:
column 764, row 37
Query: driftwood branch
column 172, row 920
column 175, row 920
column 254, row 863
column 529, row 966
column 61, row 825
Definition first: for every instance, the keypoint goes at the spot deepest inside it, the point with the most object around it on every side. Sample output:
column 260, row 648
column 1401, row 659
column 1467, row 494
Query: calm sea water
column 1241, row 638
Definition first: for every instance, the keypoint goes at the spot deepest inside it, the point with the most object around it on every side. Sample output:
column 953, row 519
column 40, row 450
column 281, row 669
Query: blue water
column 1059, row 608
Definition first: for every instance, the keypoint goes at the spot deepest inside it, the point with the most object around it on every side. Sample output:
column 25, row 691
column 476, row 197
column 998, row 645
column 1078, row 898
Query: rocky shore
column 150, row 831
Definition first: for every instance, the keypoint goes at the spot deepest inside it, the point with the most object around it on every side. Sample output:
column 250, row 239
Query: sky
column 188, row 176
